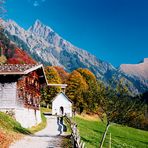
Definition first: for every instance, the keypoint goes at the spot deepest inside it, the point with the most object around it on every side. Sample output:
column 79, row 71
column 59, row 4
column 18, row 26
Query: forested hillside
column 92, row 97
column 11, row 54
column 46, row 46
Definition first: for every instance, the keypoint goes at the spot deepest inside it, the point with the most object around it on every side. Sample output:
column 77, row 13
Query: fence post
column 110, row 142
column 76, row 139
column 83, row 145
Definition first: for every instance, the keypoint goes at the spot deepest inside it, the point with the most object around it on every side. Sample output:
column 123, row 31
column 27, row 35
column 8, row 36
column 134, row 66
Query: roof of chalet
column 60, row 94
column 18, row 68
column 23, row 69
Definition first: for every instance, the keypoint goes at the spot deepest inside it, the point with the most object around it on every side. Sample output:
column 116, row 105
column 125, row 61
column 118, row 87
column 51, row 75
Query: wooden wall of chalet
column 24, row 92
column 8, row 95
column 28, row 90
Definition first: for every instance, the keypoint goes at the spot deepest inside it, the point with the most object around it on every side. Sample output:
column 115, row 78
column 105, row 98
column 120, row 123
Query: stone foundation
column 26, row 117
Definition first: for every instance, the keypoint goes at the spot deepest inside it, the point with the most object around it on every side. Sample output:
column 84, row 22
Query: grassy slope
column 10, row 130
column 122, row 137
column 43, row 109
column 9, row 124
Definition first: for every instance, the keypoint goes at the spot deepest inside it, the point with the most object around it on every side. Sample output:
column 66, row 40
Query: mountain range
column 137, row 74
column 44, row 45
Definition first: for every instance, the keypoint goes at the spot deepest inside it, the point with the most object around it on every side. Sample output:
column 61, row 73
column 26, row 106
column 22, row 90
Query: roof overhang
column 58, row 85
column 22, row 72
column 25, row 72
column 34, row 68
column 63, row 95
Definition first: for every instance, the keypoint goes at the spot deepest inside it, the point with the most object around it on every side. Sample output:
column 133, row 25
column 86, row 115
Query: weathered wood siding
column 8, row 95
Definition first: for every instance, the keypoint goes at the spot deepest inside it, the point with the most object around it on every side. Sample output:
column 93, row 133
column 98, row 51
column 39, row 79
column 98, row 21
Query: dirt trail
column 47, row 138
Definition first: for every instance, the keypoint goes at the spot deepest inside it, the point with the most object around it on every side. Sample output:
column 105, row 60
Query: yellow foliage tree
column 91, row 95
column 3, row 59
column 76, row 89
column 49, row 92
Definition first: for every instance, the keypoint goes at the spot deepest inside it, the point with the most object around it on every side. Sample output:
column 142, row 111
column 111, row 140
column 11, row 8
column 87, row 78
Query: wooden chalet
column 20, row 86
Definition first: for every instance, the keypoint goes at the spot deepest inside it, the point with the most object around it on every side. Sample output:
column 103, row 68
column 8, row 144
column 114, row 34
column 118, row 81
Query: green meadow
column 121, row 136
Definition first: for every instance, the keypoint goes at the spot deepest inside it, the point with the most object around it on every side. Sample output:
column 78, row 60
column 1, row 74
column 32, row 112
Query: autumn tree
column 118, row 106
column 6, row 47
column 3, row 59
column 76, row 89
column 90, row 97
column 62, row 73
column 141, row 121
column 49, row 92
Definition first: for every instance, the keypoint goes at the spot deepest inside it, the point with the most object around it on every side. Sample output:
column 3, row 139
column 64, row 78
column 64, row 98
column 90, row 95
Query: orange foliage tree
column 91, row 94
column 62, row 73
column 76, row 89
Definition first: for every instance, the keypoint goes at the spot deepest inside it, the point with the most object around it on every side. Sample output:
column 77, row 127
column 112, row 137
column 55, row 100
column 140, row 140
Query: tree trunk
column 104, row 135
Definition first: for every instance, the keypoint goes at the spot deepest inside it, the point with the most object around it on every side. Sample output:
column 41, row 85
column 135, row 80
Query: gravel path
column 47, row 138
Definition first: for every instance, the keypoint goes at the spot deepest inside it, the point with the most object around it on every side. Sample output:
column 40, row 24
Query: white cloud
column 36, row 3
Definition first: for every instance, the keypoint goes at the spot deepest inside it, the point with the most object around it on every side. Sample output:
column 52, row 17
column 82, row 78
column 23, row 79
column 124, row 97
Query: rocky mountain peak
column 145, row 60
column 49, row 48
column 139, row 70
column 10, row 24
column 40, row 29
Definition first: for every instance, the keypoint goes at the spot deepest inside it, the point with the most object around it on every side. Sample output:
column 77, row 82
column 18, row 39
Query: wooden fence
column 76, row 139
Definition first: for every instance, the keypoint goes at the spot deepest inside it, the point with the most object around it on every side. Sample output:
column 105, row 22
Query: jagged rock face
column 145, row 60
column 137, row 72
column 48, row 47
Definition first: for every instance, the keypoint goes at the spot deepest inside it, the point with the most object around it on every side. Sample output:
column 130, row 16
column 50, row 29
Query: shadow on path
column 50, row 137
column 61, row 126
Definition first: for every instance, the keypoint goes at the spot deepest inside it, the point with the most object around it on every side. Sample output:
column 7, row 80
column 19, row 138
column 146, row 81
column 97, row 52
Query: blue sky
column 114, row 30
